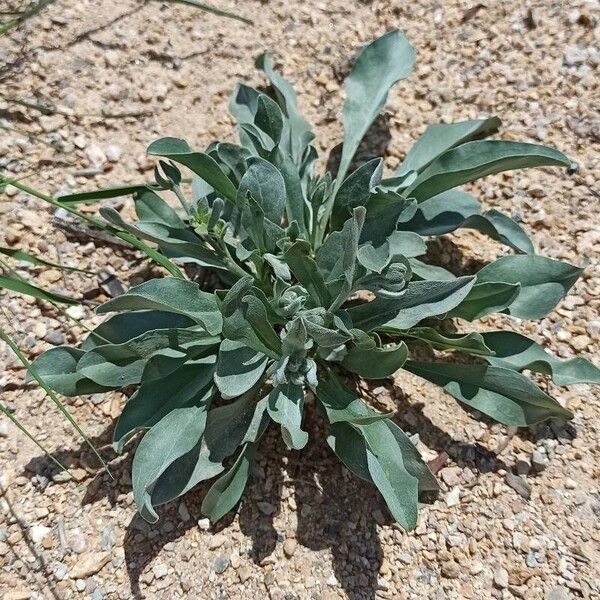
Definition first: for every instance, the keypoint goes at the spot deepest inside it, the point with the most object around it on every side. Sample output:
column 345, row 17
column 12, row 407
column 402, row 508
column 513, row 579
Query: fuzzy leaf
column 473, row 343
column 200, row 163
column 225, row 493
column 149, row 356
column 304, row 268
column 238, row 368
column 376, row 363
column 544, row 282
column 438, row 138
column 190, row 385
column 485, row 299
column 422, row 299
column 170, row 294
column 265, row 184
column 245, row 320
column 515, row 351
column 475, row 160
column 502, row 394
column 122, row 327
column 58, row 368
column 285, row 404
column 376, row 69
column 297, row 133
column 268, row 118
column 171, row 438
column 150, row 207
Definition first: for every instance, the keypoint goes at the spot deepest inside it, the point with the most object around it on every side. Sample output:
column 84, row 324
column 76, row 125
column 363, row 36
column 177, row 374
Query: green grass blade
column 22, row 287
column 154, row 255
column 17, row 254
column 6, row 338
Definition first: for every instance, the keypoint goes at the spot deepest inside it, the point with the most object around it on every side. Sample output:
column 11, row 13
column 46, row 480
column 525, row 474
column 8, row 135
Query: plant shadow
column 334, row 510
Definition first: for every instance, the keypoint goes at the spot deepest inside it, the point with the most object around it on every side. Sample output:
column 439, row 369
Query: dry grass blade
column 212, row 9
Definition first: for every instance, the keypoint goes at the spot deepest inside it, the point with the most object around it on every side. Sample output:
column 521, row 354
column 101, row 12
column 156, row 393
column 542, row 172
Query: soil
column 518, row 513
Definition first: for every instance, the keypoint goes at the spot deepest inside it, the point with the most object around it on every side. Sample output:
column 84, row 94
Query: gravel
column 306, row 528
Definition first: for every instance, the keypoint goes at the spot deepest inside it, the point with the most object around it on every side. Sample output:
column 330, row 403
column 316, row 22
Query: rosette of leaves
column 320, row 282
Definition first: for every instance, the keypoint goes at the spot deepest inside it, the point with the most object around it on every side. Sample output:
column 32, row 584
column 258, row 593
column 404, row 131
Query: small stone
column 570, row 484
column 80, row 585
column 216, row 541
column 518, row 484
column 558, row 592
column 451, row 475
column 76, row 312
column 61, row 477
column 77, row 543
column 56, row 338
column 539, row 460
column 580, row 342
column 60, row 571
column 266, row 508
column 289, row 547
column 204, row 524
column 89, row 565
column 244, row 573
column 501, row 578
column 113, row 153
column 475, row 568
column 17, row 595
column 183, row 512
column 38, row 533
column 220, row 564
column 80, row 142
column 332, row 581
column 450, row 569
column 160, row 570
column 452, row 498
column 574, row 56
column 522, row 467
column 95, row 155
column 111, row 58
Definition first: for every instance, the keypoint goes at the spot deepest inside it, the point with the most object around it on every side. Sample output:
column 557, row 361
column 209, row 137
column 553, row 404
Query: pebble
column 160, row 570
column 539, row 460
column 60, row 571
column 204, row 524
column 266, row 508
column 220, row 564
column 452, row 498
column 450, row 569
column 518, row 484
column 80, row 585
column 95, row 155
column 89, row 565
column 113, row 153
column 289, row 547
column 501, row 578
column 570, row 484
column 558, row 592
column 38, row 533
column 55, row 337
column 216, row 541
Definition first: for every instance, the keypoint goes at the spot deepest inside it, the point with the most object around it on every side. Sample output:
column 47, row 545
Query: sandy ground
column 306, row 528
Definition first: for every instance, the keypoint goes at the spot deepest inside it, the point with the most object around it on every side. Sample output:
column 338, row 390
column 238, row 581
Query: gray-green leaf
column 502, row 394
column 516, row 351
column 474, row 160
column 170, row 294
column 544, row 282
column 376, row 69
column 238, row 368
